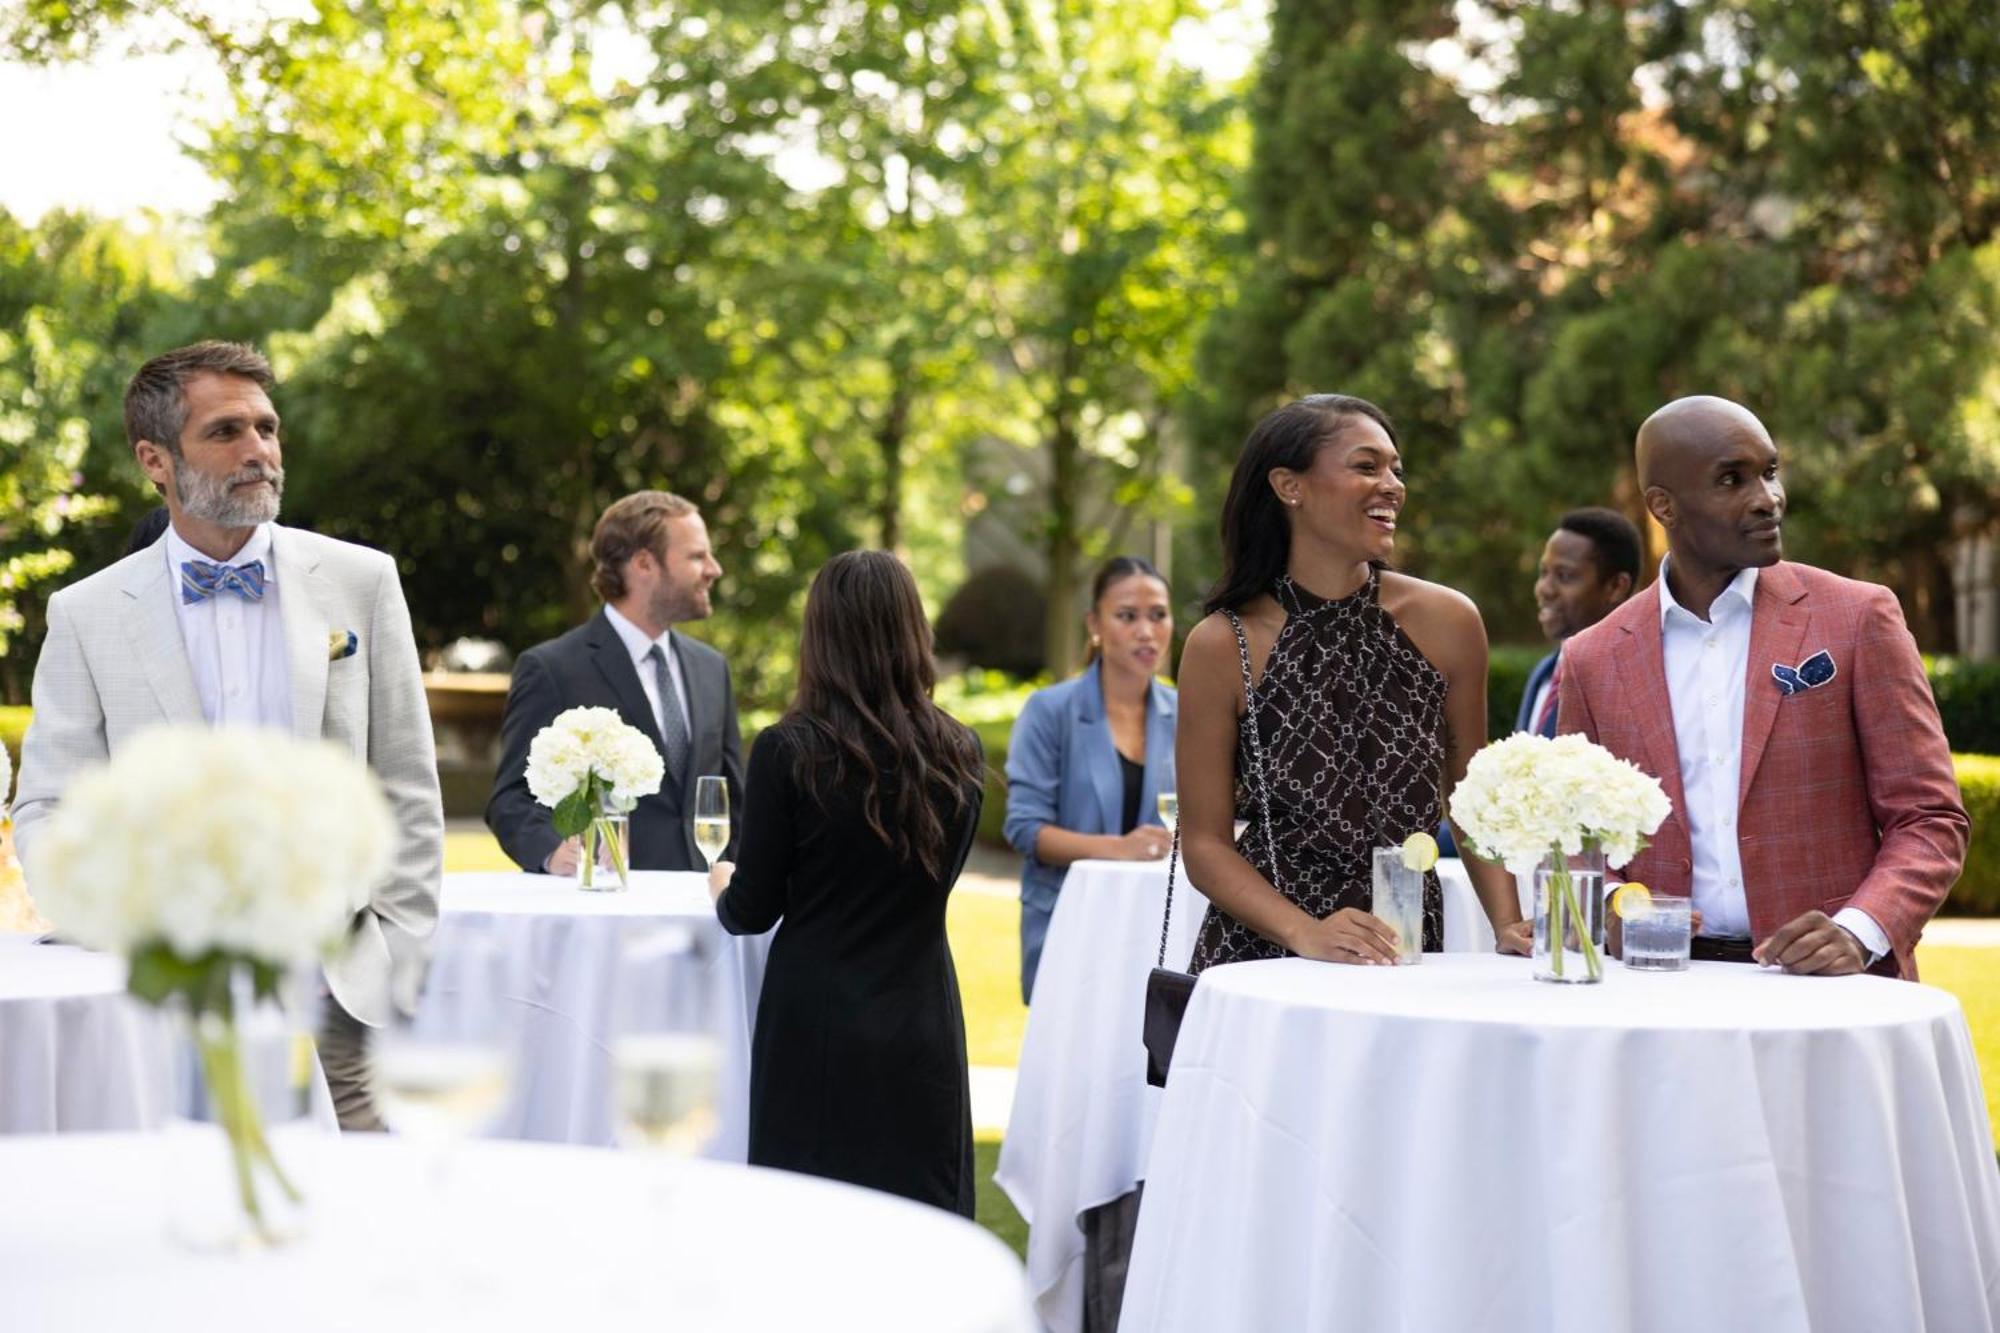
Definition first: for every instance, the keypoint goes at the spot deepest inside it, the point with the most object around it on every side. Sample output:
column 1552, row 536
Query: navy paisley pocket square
column 1815, row 671
column 341, row 643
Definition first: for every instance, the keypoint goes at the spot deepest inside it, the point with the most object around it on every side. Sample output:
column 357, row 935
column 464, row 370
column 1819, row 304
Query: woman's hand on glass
column 718, row 879
column 1348, row 936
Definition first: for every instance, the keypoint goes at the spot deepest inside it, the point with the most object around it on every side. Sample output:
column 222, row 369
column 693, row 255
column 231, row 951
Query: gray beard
column 213, row 501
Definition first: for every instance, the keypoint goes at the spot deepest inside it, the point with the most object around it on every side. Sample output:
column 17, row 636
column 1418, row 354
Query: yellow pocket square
column 341, row 643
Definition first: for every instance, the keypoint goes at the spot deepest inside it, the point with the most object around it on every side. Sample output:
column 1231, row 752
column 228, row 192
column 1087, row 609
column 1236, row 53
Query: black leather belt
column 1721, row 949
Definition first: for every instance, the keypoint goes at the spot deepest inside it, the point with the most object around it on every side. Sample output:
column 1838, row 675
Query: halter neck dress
column 1351, row 716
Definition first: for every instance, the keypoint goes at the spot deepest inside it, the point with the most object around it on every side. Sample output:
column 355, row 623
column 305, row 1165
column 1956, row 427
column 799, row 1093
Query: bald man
column 1817, row 824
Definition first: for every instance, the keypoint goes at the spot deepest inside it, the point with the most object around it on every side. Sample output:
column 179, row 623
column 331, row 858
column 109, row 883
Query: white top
column 1457, row 1146
column 495, row 1237
column 637, row 644
column 1707, row 663
column 235, row 647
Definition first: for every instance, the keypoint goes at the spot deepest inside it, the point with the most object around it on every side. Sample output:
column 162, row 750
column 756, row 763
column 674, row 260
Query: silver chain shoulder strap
column 1261, row 783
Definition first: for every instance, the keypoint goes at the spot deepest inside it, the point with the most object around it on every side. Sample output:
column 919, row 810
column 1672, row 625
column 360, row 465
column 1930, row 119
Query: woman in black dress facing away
column 1366, row 697
column 859, row 810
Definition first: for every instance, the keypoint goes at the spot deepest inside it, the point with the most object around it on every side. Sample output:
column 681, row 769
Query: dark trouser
column 1107, row 1252
column 343, row 1054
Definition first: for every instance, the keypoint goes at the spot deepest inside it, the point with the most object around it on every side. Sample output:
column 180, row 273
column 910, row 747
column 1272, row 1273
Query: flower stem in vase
column 615, row 846
column 221, row 1053
column 588, row 867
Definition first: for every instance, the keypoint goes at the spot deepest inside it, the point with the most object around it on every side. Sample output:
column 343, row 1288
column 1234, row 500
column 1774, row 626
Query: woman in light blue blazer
column 1090, row 756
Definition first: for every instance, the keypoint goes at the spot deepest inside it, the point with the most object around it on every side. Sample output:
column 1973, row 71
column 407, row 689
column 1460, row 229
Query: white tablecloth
column 1083, row 1116
column 567, row 969
column 508, row 1236
column 79, row 1054
column 1457, row 1147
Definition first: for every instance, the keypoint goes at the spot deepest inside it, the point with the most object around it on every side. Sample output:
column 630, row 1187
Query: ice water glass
column 1399, row 901
column 1657, row 940
column 711, row 817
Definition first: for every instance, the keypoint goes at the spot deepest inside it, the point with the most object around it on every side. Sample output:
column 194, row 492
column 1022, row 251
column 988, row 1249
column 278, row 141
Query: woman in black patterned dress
column 1368, row 695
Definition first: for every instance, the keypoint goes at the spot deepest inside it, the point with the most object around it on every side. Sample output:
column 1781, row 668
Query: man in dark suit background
column 653, row 568
column 1589, row 565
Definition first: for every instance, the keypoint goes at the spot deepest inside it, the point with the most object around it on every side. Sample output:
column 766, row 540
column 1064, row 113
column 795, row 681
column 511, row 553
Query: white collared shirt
column 1707, row 663
column 639, row 646
column 236, row 648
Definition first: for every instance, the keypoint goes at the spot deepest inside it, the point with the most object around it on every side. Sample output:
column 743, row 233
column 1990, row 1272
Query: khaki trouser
column 343, row 1054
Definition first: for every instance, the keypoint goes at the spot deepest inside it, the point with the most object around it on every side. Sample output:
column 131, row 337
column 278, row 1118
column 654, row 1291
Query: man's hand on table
column 1813, row 945
column 563, row 860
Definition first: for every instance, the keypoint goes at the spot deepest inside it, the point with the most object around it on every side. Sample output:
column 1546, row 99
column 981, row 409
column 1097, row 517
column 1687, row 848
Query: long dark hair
column 1256, row 534
column 1114, row 570
column 865, row 681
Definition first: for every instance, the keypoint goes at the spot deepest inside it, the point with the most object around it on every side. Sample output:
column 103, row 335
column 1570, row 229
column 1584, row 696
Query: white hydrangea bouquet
column 590, row 767
column 1529, row 801
column 215, row 862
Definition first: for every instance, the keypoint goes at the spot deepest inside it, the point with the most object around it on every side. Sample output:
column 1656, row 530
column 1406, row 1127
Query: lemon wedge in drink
column 1420, row 852
column 1632, row 900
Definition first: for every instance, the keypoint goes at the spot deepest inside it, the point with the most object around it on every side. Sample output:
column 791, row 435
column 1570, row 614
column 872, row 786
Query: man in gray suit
column 229, row 619
column 653, row 568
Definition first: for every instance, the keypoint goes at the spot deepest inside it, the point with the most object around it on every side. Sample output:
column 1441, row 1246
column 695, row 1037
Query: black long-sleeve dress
column 857, row 1068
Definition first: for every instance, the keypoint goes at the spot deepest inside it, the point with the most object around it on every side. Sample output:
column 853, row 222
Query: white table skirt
column 508, row 1236
column 1458, row 1147
column 78, row 1054
column 566, row 969
column 1083, row 1115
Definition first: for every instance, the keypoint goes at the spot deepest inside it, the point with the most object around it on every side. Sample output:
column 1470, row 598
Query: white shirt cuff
column 1862, row 926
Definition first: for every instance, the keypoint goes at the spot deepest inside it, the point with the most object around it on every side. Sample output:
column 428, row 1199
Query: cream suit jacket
column 114, row 664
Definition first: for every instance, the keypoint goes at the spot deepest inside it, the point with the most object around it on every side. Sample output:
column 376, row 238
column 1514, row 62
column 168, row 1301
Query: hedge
column 1978, row 890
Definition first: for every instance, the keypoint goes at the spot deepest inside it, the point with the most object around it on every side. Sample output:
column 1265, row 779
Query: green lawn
column 1973, row 975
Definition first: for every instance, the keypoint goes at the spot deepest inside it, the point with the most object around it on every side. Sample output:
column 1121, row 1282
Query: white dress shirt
column 1707, row 663
column 235, row 647
column 637, row 644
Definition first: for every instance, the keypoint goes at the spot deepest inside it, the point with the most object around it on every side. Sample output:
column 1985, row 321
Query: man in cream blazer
column 231, row 620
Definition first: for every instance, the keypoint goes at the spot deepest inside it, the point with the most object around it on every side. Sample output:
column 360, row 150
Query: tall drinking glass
column 711, row 817
column 1399, row 901
column 1168, row 801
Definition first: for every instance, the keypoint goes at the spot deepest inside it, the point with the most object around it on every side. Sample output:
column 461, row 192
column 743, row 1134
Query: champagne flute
column 711, row 817
column 1168, row 800
column 441, row 1084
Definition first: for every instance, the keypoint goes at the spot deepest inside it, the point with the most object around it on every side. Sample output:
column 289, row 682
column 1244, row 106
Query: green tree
column 75, row 298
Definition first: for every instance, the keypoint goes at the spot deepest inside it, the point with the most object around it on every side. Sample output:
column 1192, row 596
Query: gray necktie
column 673, row 727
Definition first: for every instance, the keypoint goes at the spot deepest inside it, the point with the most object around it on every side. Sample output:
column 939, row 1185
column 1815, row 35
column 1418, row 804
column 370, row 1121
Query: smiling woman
column 1341, row 699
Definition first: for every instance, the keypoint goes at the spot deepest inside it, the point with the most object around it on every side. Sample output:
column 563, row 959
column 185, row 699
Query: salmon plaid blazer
column 1846, row 792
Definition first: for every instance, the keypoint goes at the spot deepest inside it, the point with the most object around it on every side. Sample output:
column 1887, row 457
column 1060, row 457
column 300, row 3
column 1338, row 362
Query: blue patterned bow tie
column 201, row 580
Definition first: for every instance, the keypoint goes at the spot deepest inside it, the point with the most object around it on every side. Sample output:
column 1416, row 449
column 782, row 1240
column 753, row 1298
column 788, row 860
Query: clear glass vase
column 1569, row 917
column 243, row 1071
column 606, row 862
